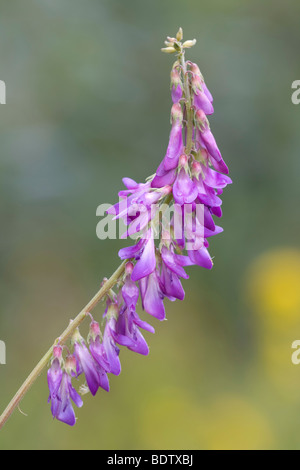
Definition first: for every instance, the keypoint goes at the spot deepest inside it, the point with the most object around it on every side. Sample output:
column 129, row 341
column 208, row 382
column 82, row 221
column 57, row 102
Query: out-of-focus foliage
column 88, row 103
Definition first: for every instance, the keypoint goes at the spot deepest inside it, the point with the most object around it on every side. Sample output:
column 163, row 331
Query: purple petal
column 184, row 189
column 88, row 365
column 54, row 377
column 74, row 395
column 207, row 92
column 169, row 260
column 171, row 285
column 140, row 345
column 176, row 93
column 163, row 177
column 208, row 219
column 147, row 262
column 130, row 183
column 64, row 410
column 130, row 293
column 201, row 258
column 210, row 233
column 202, row 102
column 210, row 144
column 131, row 251
column 153, row 298
column 175, row 147
column 213, row 179
column 207, row 195
column 142, row 324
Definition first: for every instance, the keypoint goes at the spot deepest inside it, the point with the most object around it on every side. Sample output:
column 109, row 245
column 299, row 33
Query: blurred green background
column 87, row 103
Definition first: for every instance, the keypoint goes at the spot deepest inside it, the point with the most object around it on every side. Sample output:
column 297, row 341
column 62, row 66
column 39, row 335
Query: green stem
column 62, row 339
column 188, row 106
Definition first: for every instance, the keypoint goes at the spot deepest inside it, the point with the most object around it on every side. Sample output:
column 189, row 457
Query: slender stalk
column 62, row 339
column 188, row 106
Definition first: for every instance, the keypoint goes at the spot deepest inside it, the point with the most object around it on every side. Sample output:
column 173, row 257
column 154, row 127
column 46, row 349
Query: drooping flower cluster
column 171, row 219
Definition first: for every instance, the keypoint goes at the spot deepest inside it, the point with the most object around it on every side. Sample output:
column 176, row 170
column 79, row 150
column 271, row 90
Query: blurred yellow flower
column 273, row 288
column 273, row 285
column 170, row 419
column 235, row 424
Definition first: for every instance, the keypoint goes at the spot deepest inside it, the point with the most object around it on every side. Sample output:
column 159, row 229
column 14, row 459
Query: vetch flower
column 95, row 374
column 187, row 187
column 61, row 406
column 175, row 147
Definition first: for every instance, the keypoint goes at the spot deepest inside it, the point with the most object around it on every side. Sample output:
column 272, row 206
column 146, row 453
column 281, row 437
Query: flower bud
column 175, row 77
column 166, row 190
column 203, row 156
column 176, row 85
column 129, row 267
column 112, row 311
column 94, row 330
column 179, row 35
column 57, row 352
column 71, row 365
column 168, row 50
column 196, row 169
column 188, row 44
column 196, row 83
column 195, row 70
column 201, row 119
column 76, row 337
column 176, row 112
column 183, row 160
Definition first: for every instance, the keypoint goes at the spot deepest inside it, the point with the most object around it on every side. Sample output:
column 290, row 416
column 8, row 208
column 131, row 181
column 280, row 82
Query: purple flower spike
column 172, row 214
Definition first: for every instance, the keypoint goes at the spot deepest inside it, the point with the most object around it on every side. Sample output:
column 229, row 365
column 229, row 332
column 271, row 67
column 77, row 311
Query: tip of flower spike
column 176, row 45
column 179, row 34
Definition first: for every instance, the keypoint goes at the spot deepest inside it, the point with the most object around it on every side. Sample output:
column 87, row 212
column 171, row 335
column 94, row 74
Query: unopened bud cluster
column 175, row 44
